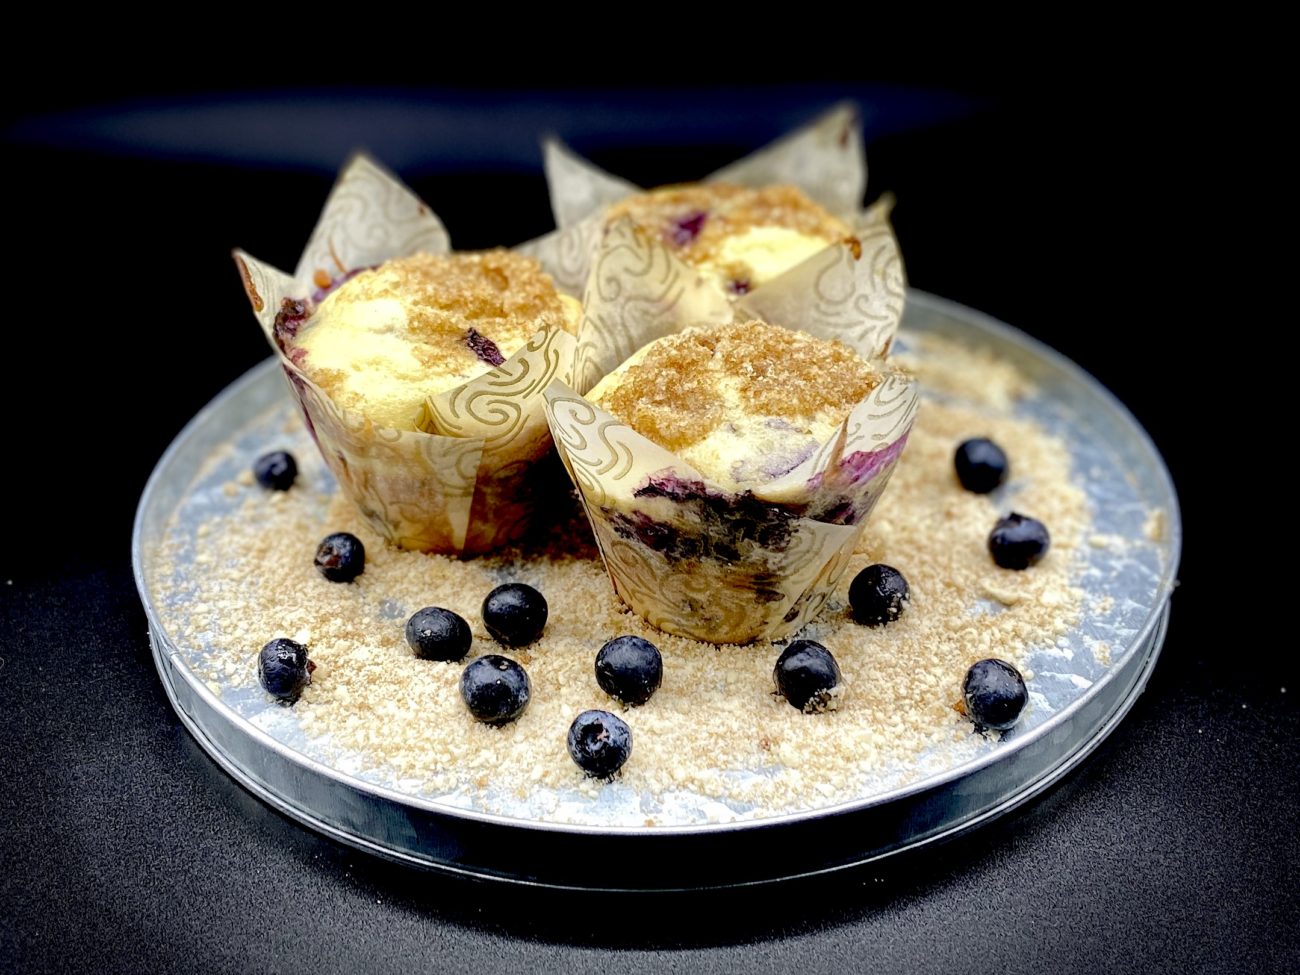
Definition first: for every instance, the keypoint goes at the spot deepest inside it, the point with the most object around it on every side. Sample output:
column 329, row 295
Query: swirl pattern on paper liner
column 369, row 218
column 505, row 404
column 566, row 254
column 638, row 291
column 577, row 187
column 853, row 292
column 413, row 488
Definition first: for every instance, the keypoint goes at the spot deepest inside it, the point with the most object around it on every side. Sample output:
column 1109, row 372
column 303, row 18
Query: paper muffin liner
column 460, row 484
column 825, row 159
column 695, row 559
column 685, row 553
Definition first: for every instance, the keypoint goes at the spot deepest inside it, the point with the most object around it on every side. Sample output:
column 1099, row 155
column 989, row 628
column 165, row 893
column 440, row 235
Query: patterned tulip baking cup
column 825, row 159
column 461, row 483
column 697, row 560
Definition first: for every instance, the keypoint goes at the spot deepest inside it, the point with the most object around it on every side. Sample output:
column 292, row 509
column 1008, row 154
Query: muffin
column 741, row 236
column 743, row 404
column 728, row 471
column 387, row 340
column 419, row 373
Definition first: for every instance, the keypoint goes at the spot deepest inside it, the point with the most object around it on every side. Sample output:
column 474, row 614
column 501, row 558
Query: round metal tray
column 1124, row 478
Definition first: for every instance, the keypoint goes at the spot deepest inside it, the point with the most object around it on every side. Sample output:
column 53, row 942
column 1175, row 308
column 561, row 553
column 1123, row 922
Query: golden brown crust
column 500, row 294
column 674, row 395
column 674, row 212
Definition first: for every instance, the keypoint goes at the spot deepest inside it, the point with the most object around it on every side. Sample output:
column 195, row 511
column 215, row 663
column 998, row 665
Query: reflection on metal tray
column 1078, row 701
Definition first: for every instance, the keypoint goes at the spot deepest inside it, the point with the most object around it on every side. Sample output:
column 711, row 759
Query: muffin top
column 414, row 327
column 743, row 403
column 743, row 236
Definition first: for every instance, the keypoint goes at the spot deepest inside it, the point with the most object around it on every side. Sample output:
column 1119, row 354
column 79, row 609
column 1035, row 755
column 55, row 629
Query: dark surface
column 123, row 848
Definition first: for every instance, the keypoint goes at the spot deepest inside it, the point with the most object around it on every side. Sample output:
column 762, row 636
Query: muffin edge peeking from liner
column 460, row 483
column 824, row 159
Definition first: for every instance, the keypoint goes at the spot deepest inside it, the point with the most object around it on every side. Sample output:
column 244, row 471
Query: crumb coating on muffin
column 743, row 403
column 417, row 326
column 743, row 236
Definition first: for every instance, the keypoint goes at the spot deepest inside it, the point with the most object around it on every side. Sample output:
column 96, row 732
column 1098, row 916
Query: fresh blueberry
column 995, row 694
column 630, row 669
column 1017, row 542
column 283, row 669
column 435, row 633
column 495, row 689
column 276, row 471
column 877, row 594
column 600, row 743
column 806, row 674
column 341, row 557
column 981, row 465
column 514, row 614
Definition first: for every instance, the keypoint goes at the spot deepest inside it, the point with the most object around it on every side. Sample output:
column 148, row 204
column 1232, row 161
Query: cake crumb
column 1155, row 527
column 1007, row 597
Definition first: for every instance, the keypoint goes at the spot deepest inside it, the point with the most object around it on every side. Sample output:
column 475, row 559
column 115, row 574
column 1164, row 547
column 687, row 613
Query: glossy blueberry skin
column 805, row 674
column 995, row 694
column 1017, row 542
column 629, row 669
column 283, row 669
column 435, row 633
column 600, row 743
column 981, row 465
column 276, row 471
column 341, row 557
column 495, row 689
column 515, row 614
column 878, row 594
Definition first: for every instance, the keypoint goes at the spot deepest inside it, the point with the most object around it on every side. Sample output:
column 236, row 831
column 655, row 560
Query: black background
column 1041, row 202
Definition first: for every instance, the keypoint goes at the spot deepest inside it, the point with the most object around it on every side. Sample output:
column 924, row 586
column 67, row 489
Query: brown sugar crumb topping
column 676, row 394
column 496, row 293
column 697, row 218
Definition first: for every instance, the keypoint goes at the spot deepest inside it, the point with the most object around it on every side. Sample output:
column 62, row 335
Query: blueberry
column 877, row 594
column 283, row 669
column 514, row 614
column 341, row 557
column 1017, row 542
column 995, row 694
column 600, row 743
column 495, row 689
column 630, row 669
column 276, row 471
column 981, row 465
column 805, row 675
column 438, row 634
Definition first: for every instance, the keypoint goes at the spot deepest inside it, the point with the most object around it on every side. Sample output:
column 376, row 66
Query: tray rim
column 1154, row 621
